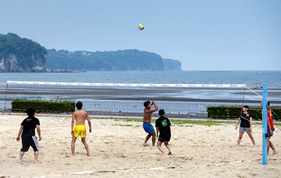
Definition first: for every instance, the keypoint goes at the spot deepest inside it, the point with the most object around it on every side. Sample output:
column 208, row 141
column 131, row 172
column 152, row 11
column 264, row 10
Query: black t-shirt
column 164, row 126
column 245, row 120
column 29, row 125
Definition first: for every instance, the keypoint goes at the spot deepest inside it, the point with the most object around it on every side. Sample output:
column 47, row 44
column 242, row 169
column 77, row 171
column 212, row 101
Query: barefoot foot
column 37, row 162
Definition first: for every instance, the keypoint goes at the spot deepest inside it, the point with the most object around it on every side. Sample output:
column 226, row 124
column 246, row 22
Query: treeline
column 20, row 54
column 122, row 60
column 24, row 55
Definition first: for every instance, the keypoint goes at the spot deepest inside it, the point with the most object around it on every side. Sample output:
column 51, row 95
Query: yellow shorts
column 79, row 130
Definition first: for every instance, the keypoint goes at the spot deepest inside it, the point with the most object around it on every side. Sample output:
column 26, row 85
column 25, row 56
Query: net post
column 264, row 124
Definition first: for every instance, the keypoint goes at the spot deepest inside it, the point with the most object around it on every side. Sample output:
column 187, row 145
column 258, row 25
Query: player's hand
column 152, row 103
column 18, row 139
column 271, row 132
column 250, row 129
column 71, row 132
column 235, row 127
column 90, row 130
column 40, row 138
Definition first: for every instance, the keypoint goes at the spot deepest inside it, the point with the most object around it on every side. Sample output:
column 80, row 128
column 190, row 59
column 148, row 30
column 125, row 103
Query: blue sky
column 202, row 34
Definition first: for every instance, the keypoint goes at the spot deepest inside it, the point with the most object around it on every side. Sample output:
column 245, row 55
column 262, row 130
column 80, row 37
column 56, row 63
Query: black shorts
column 164, row 139
column 29, row 141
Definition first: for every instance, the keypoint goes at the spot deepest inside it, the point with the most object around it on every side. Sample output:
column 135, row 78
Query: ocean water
column 250, row 78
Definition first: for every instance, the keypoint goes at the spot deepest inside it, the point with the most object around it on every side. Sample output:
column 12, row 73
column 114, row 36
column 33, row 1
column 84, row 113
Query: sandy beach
column 116, row 151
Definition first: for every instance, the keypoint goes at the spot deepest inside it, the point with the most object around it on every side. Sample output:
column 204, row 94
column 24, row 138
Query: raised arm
column 38, row 131
column 89, row 123
column 20, row 131
column 156, row 107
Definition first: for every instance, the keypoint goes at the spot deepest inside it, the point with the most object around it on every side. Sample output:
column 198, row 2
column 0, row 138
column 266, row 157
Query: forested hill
column 24, row 55
column 20, row 54
column 172, row 65
column 122, row 60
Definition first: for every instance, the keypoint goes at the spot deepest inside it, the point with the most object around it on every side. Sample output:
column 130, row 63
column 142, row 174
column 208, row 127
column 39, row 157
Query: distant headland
column 24, row 55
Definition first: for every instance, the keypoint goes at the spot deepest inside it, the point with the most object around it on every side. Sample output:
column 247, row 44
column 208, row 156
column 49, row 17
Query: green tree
column 28, row 54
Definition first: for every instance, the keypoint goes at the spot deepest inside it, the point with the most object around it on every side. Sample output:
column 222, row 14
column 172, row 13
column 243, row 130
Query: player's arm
column 157, row 126
column 72, row 123
column 238, row 121
column 155, row 107
column 20, row 131
column 251, row 124
column 89, row 122
column 157, row 129
column 38, row 131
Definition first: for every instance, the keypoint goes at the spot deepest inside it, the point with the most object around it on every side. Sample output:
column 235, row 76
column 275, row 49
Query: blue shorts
column 148, row 127
column 269, row 132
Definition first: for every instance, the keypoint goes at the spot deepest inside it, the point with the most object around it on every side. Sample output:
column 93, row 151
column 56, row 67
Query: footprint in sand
column 11, row 157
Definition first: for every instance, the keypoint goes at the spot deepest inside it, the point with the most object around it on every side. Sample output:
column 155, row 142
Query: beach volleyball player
column 245, row 121
column 147, row 126
column 80, row 129
column 270, row 130
column 163, row 125
column 27, row 133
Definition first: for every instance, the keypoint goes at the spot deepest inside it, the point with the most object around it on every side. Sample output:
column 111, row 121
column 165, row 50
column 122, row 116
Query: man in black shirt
column 162, row 125
column 27, row 132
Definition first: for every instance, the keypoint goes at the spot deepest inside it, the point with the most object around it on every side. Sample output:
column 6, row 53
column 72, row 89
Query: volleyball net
column 178, row 100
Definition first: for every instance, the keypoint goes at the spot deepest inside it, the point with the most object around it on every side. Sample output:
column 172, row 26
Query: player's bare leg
column 270, row 145
column 251, row 137
column 239, row 138
column 168, row 147
column 73, row 144
column 86, row 145
column 146, row 139
column 21, row 156
column 159, row 147
column 36, row 155
column 153, row 138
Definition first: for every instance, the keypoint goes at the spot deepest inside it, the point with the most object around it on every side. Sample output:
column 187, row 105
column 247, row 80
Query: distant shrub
column 230, row 112
column 57, row 106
